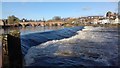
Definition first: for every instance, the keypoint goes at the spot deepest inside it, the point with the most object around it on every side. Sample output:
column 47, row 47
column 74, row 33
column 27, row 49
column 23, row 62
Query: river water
column 24, row 31
column 29, row 29
column 73, row 46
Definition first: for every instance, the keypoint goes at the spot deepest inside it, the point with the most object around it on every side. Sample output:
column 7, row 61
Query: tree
column 13, row 20
column 5, row 21
column 108, row 14
column 114, row 16
column 71, row 20
column 23, row 20
column 50, row 20
column 56, row 18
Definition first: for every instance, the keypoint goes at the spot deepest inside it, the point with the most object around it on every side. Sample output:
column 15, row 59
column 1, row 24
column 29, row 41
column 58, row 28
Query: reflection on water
column 30, row 29
column 38, row 29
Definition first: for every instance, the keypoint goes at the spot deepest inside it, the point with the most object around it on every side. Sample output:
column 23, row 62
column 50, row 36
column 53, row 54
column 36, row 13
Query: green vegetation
column 108, row 14
column 56, row 18
column 13, row 20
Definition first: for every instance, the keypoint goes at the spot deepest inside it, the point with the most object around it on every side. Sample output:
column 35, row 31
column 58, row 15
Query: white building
column 95, row 21
column 105, row 21
column 116, row 21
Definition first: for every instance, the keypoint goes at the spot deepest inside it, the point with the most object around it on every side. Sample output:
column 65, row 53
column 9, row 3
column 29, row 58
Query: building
column 90, row 19
column 116, row 21
column 94, row 17
column 104, row 21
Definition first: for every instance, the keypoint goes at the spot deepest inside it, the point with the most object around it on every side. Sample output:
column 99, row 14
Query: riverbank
column 94, row 25
column 66, row 25
column 92, row 44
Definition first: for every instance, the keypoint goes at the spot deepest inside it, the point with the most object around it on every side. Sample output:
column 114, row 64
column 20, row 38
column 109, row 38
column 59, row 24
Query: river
column 29, row 29
column 24, row 31
column 73, row 46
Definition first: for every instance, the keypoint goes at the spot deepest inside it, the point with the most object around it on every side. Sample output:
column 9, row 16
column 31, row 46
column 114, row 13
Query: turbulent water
column 34, row 39
column 91, row 46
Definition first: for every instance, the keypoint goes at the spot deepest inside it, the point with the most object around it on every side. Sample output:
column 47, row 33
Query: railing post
column 11, row 50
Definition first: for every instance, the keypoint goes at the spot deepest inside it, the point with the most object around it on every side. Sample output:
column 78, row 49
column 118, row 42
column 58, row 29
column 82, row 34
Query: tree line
column 15, row 20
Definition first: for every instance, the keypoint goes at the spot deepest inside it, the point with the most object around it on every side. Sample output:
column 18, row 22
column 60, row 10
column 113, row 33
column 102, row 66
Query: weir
column 34, row 39
column 15, row 46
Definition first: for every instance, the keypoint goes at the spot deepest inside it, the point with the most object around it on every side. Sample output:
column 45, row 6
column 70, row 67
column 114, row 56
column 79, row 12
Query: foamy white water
column 96, row 43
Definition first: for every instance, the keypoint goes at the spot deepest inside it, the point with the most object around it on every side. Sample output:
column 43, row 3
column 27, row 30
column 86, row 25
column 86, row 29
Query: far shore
column 71, row 25
column 98, row 25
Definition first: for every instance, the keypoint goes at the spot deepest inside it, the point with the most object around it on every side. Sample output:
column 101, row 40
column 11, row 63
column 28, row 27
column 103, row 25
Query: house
column 116, row 21
column 105, row 21
column 95, row 21
column 94, row 17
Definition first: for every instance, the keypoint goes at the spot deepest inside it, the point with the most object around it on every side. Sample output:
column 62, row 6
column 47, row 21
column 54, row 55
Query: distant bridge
column 24, row 24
